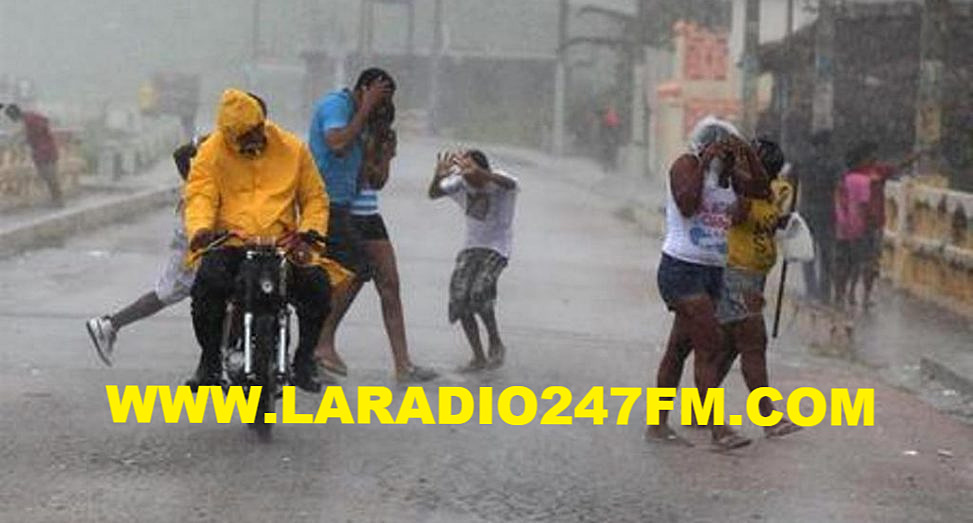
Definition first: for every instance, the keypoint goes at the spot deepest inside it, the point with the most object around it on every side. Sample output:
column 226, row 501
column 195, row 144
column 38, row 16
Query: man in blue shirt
column 353, row 144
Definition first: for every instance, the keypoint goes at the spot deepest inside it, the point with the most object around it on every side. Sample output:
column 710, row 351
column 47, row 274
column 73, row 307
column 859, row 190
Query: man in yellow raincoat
column 256, row 180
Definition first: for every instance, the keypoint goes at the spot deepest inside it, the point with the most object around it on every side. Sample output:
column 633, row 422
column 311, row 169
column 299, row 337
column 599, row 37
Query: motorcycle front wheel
column 264, row 342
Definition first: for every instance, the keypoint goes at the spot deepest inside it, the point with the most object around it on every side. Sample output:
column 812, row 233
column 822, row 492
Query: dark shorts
column 872, row 251
column 473, row 286
column 850, row 255
column 345, row 243
column 679, row 280
column 370, row 227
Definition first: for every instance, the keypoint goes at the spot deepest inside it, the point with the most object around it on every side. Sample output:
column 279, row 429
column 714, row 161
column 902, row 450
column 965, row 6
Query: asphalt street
column 578, row 307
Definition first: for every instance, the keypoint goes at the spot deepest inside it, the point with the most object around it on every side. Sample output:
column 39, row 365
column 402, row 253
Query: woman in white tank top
column 690, row 275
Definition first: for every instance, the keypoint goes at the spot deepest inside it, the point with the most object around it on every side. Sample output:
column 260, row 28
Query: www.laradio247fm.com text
column 516, row 405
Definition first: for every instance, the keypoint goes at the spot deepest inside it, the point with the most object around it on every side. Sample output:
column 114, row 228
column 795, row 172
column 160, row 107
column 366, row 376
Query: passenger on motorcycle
column 256, row 180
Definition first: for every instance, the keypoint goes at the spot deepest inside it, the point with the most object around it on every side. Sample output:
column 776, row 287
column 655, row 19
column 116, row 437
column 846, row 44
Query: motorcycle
column 256, row 330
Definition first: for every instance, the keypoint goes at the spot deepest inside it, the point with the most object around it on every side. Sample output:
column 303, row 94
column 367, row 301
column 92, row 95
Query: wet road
column 579, row 309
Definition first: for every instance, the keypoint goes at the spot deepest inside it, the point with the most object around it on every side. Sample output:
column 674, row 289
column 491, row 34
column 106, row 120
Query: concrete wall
column 929, row 243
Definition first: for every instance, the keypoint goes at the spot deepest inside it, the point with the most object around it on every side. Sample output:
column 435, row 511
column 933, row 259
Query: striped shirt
column 365, row 202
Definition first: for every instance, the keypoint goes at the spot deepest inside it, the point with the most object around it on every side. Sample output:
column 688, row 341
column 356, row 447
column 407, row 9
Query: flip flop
column 731, row 441
column 472, row 367
column 782, row 429
column 334, row 367
column 669, row 437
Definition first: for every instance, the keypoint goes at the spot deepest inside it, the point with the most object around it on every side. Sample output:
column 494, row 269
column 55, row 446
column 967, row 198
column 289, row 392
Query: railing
column 928, row 248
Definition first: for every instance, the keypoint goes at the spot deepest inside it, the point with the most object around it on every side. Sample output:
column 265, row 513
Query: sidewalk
column 101, row 201
column 919, row 346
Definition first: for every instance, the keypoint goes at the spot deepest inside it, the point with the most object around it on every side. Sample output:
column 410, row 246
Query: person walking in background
column 611, row 135
column 353, row 144
column 488, row 197
column 817, row 174
column 43, row 148
column 852, row 198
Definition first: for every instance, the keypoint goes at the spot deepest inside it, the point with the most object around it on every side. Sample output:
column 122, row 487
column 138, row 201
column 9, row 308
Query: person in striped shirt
column 354, row 144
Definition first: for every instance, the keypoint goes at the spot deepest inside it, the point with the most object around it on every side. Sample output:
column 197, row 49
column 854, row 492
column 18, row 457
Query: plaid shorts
column 473, row 286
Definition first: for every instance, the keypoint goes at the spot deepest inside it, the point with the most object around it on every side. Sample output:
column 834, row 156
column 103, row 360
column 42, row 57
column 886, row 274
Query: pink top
column 851, row 205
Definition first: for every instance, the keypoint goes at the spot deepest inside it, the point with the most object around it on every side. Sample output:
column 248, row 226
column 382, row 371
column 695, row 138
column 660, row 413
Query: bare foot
column 496, row 355
column 475, row 365
column 329, row 360
column 664, row 434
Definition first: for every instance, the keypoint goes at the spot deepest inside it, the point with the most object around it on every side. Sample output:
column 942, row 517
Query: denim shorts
column 679, row 280
column 742, row 295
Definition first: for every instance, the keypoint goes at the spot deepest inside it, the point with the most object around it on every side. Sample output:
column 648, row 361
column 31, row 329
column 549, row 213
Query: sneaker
column 416, row 374
column 102, row 334
column 305, row 376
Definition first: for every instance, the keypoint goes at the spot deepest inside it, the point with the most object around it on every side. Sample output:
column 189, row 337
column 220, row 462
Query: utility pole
column 751, row 65
column 410, row 42
column 366, row 21
column 255, row 31
column 560, row 78
column 929, row 107
column 786, row 78
column 822, row 103
column 435, row 64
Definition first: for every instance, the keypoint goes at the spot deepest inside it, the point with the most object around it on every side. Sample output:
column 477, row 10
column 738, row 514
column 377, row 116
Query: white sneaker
column 102, row 335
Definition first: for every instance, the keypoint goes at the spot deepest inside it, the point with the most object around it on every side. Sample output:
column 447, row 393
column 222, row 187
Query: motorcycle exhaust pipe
column 282, row 344
column 247, row 344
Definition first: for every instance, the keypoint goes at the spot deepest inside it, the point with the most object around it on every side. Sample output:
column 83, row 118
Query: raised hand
column 377, row 92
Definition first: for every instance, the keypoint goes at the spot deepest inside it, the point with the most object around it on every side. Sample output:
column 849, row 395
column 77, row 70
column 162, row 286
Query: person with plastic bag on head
column 703, row 187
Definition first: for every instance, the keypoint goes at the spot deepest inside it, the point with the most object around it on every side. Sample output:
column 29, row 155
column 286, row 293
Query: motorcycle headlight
column 266, row 285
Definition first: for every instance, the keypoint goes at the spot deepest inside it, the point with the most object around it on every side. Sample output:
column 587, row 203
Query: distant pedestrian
column 852, row 199
column 43, row 148
column 611, row 135
column 488, row 197
column 817, row 172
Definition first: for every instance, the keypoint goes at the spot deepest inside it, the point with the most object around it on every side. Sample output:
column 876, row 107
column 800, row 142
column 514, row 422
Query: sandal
column 783, row 428
column 731, row 441
column 334, row 367
column 667, row 436
column 474, row 365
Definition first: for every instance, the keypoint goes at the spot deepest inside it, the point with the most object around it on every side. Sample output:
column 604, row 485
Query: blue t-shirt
column 340, row 171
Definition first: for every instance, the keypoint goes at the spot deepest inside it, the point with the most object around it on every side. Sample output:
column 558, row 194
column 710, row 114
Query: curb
column 47, row 230
column 931, row 369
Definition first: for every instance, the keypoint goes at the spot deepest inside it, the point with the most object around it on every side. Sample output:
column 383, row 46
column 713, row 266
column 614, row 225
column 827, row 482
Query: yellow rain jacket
column 750, row 243
column 277, row 192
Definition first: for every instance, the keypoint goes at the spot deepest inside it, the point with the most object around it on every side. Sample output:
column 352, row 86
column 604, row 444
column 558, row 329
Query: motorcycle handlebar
column 314, row 238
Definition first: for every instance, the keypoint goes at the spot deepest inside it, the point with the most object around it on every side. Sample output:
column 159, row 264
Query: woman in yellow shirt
column 751, row 253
